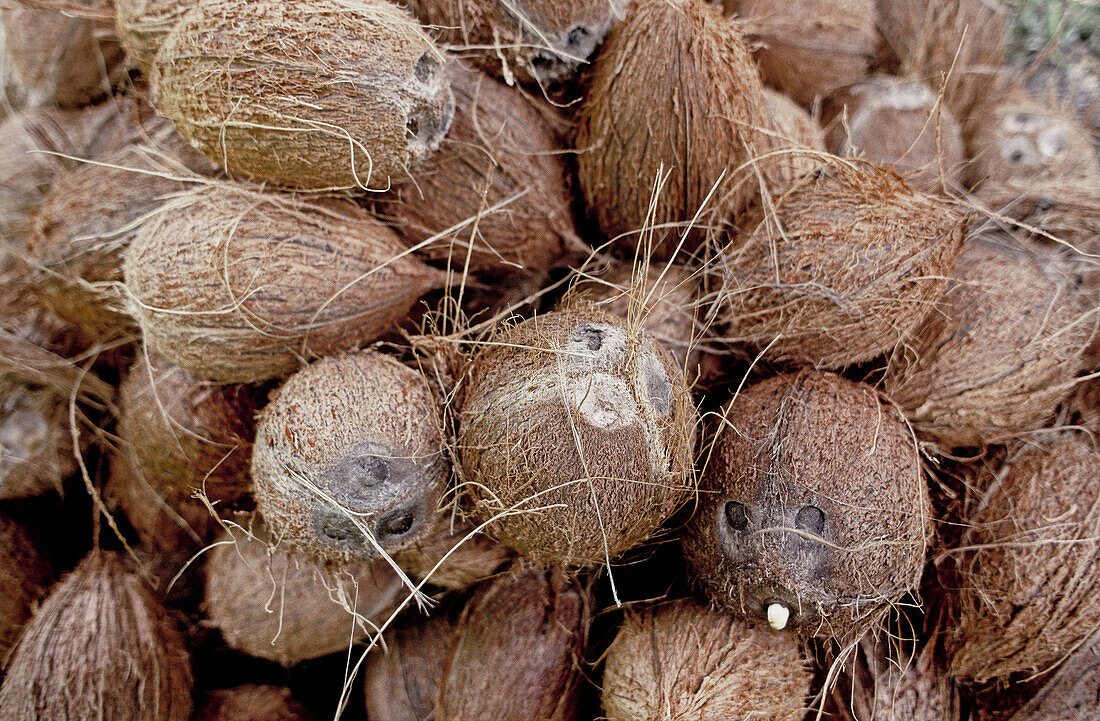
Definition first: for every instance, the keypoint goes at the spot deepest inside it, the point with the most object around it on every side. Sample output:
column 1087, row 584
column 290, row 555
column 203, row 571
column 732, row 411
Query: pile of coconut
column 500, row 360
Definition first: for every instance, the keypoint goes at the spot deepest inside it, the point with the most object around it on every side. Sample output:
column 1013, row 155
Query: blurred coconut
column 25, row 575
column 252, row 702
column 144, row 24
column 797, row 137
column 93, row 9
column 1071, row 79
column 1059, row 211
column 402, row 684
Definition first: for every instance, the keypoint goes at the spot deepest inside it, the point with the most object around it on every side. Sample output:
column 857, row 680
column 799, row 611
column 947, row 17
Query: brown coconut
column 1057, row 211
column 1000, row 351
column 1071, row 693
column 499, row 147
column 317, row 95
column 813, row 512
column 1027, row 588
column 402, row 684
column 897, row 123
column 36, row 448
column 25, row 575
column 240, row 286
column 100, row 647
column 844, row 269
column 648, row 113
column 252, row 702
column 529, row 629
column 797, row 137
column 450, row 556
column 581, row 430
column 144, row 24
column 809, row 48
column 684, row 660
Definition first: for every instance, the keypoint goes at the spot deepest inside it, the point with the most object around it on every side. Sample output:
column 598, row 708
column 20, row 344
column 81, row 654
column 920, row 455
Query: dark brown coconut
column 647, row 114
column 797, row 136
column 252, row 702
column 402, row 684
column 999, row 353
column 897, row 123
column 581, row 430
column 100, row 647
column 24, row 577
column 813, row 512
column 315, row 96
column 529, row 628
column 500, row 151
column 844, row 269
column 1028, row 593
column 144, row 24
column 683, row 660
column 220, row 289
column 1071, row 692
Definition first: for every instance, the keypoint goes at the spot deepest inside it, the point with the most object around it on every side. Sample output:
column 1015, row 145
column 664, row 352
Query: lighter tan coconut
column 402, row 684
column 24, row 577
column 252, row 702
column 144, row 24
column 797, row 137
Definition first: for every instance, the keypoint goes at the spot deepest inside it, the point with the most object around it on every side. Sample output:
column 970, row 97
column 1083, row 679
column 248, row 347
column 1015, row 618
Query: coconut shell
column 898, row 124
column 999, row 353
column 1028, row 593
column 648, row 114
column 316, row 96
column 252, row 702
column 583, row 426
column 683, row 660
column 144, row 24
column 529, row 628
column 25, row 575
column 1071, row 692
column 812, row 498
column 795, row 129
column 844, row 269
column 219, row 289
column 402, row 684
column 101, row 646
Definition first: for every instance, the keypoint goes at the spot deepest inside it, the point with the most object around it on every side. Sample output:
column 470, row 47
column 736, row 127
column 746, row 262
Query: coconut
column 813, row 513
column 843, row 268
column 444, row 556
column 647, row 115
column 810, row 48
column 402, row 684
column 579, row 429
column 220, row 289
column 144, row 24
column 899, row 124
column 499, row 147
column 683, row 660
column 1001, row 351
column 101, row 646
column 529, row 628
column 1027, row 590
column 1070, row 693
column 24, row 576
column 798, row 132
column 252, row 702
column 1061, row 211
column 36, row 448
column 316, row 95
column 532, row 40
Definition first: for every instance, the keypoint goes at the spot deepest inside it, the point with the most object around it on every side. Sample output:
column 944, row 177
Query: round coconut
column 999, row 353
column 1027, row 591
column 527, row 629
column 348, row 461
column 841, row 269
column 683, row 660
column 100, row 647
column 450, row 556
column 647, row 115
column 897, row 123
column 580, row 431
column 402, row 684
column 25, row 575
column 532, row 40
column 809, row 48
column 144, row 24
column 319, row 95
column 495, row 195
column 797, row 135
column 1070, row 694
column 274, row 604
column 227, row 283
column 252, row 702
column 813, row 512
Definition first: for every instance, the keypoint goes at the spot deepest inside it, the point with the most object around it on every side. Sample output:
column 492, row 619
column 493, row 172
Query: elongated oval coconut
column 582, row 425
column 319, row 95
column 897, row 123
column 529, row 628
column 1071, row 693
column 1027, row 589
column 101, row 646
column 684, row 660
column 844, row 269
column 813, row 511
column 496, row 191
column 1000, row 352
column 24, row 578
column 648, row 113
column 240, row 286
column 348, row 458
column 402, row 684
column 797, row 136
column 144, row 24
column 252, row 702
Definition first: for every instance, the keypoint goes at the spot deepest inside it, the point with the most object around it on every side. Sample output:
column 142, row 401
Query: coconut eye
column 737, row 516
column 588, row 336
column 369, row 470
column 426, row 67
column 577, row 36
column 1051, row 142
column 810, row 519
column 396, row 524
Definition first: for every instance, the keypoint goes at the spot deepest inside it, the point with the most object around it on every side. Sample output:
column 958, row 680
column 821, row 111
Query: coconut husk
column 220, row 291
column 647, row 114
column 530, row 628
column 1027, row 587
column 799, row 133
column 580, row 429
column 1070, row 694
column 447, row 559
column 1084, row 405
column 897, row 123
column 499, row 147
column 101, row 646
column 144, row 24
column 809, row 48
column 252, row 702
column 385, row 105
column 842, row 269
column 683, row 660
column 812, row 499
column 36, row 448
column 25, row 575
column 999, row 353
column 402, row 684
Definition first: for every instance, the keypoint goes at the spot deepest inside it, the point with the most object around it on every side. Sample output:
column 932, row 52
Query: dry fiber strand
column 252, row 702
column 797, row 137
column 24, row 577
column 402, row 684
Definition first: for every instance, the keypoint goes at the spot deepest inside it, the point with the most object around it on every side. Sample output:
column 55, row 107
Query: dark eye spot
column 375, row 468
column 425, row 67
column 577, row 36
column 590, row 336
column 1023, row 118
column 340, row 529
column 1016, row 156
column 421, row 125
column 396, row 524
column 737, row 515
column 810, row 519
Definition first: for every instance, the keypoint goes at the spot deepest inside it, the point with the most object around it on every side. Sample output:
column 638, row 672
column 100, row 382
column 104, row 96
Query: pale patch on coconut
column 252, row 702
column 402, row 684
column 24, row 578
column 144, row 24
